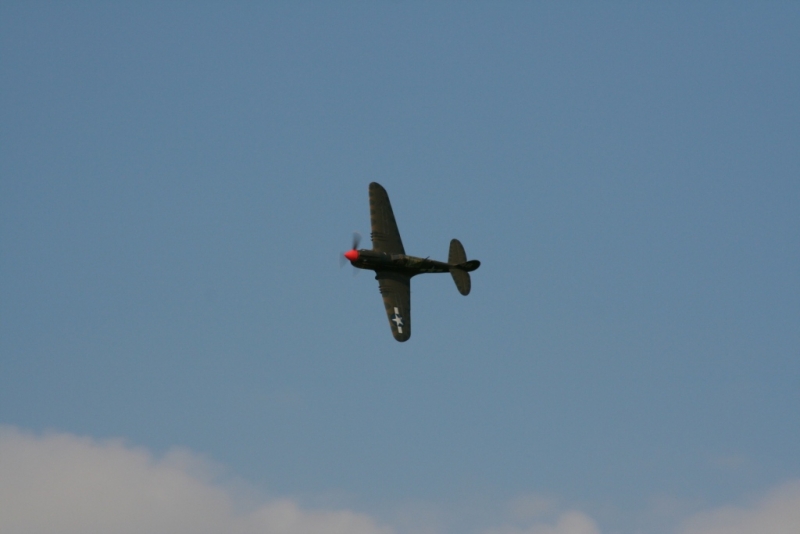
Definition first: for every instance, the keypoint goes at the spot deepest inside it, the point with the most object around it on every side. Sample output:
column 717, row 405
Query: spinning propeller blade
column 352, row 254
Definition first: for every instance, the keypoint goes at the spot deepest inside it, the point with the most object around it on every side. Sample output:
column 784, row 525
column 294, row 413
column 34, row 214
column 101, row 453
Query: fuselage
column 410, row 265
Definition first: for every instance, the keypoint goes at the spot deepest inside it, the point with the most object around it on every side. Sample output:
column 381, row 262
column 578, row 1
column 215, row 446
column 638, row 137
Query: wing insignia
column 396, row 292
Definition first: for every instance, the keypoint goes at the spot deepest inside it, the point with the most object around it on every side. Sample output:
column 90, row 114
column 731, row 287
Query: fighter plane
column 394, row 269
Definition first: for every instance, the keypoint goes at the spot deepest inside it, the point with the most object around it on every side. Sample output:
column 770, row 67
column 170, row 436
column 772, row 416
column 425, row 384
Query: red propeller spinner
column 352, row 254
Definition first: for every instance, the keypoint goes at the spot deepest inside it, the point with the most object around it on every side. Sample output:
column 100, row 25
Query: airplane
column 394, row 269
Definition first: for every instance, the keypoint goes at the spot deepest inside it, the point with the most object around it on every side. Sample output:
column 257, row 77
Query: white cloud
column 60, row 483
column 777, row 513
column 64, row 484
column 572, row 522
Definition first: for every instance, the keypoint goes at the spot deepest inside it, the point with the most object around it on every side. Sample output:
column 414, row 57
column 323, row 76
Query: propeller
column 351, row 254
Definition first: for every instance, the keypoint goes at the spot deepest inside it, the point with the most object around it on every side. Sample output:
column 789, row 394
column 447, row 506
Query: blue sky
column 177, row 181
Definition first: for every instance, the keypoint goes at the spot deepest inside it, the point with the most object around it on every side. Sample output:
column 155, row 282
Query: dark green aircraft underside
column 394, row 269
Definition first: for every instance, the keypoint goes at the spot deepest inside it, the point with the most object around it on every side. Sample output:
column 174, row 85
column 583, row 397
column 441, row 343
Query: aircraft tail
column 460, row 267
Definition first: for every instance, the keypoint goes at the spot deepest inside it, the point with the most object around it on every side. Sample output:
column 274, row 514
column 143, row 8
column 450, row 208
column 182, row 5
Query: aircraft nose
column 351, row 255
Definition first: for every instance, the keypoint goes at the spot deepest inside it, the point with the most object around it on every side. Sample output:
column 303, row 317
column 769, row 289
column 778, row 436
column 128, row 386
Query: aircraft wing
column 396, row 292
column 385, row 235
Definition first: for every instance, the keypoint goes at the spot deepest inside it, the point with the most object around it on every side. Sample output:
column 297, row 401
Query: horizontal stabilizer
column 461, row 278
column 457, row 253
